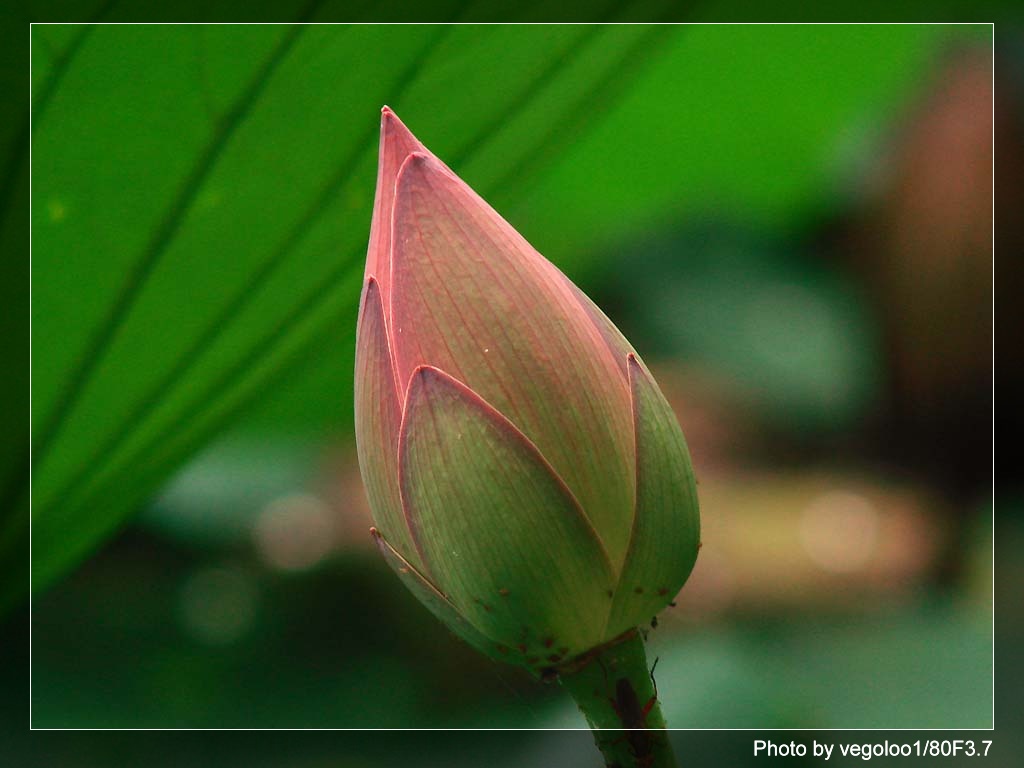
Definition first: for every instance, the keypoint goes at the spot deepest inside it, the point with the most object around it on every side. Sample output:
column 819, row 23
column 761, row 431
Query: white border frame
column 809, row 23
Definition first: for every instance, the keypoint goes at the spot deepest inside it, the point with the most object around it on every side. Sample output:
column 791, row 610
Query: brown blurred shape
column 925, row 250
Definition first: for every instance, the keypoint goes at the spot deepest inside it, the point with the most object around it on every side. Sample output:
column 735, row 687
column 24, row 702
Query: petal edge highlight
column 396, row 144
column 378, row 417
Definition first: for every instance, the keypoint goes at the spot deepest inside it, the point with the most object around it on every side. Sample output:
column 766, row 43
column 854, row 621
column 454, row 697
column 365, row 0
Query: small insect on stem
column 633, row 716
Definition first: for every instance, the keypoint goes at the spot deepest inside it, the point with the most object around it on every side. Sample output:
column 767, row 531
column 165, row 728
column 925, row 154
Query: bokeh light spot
column 839, row 531
column 295, row 532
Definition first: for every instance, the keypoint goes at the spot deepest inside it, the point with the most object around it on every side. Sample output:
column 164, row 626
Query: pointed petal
column 471, row 297
column 378, row 419
column 504, row 537
column 434, row 599
column 396, row 144
column 666, row 527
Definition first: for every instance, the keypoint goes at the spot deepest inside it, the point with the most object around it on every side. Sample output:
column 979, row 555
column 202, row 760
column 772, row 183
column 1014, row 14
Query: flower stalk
column 615, row 690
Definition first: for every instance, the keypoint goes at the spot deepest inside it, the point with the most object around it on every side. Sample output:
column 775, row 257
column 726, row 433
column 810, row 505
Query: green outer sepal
column 665, row 536
column 501, row 535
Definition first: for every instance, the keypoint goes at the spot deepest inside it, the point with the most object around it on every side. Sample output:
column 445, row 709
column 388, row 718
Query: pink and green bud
column 528, row 479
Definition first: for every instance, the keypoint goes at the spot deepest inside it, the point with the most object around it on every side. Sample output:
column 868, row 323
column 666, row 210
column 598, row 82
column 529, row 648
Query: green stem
column 614, row 690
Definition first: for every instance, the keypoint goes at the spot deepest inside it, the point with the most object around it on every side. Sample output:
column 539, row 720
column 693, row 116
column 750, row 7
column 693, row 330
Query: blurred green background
column 791, row 224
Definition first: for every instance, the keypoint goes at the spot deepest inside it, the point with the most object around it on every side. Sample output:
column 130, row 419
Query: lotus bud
column 528, row 480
